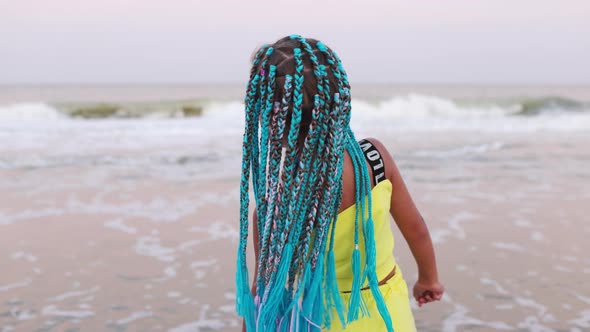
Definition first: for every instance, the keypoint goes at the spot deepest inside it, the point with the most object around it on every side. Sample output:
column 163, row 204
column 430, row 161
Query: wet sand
column 118, row 248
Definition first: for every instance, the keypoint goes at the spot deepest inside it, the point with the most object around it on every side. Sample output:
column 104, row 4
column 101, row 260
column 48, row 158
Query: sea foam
column 30, row 111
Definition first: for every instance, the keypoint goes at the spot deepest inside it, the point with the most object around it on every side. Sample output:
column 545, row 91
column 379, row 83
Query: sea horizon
column 129, row 92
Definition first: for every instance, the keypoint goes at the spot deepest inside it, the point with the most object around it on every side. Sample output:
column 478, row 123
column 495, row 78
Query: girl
column 321, row 230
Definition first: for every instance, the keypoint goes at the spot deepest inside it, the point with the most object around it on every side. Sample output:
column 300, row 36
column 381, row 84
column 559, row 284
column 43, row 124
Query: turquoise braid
column 244, row 300
column 368, row 232
column 257, row 180
column 297, row 200
column 319, row 103
column 290, row 163
column 274, row 193
column 336, row 124
column 333, row 298
column 272, row 296
column 264, row 142
column 333, row 152
column 370, row 250
column 342, row 101
column 356, row 300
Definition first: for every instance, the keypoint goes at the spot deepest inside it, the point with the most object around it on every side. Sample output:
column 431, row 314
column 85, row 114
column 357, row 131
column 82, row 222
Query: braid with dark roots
column 297, row 115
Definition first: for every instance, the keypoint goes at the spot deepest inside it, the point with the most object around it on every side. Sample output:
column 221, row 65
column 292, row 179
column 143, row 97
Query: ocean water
column 107, row 125
column 118, row 204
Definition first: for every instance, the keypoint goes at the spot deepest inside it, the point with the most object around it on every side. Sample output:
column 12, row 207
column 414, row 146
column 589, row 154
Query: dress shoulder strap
column 375, row 160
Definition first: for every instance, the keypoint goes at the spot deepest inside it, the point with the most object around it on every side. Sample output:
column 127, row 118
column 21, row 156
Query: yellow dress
column 395, row 290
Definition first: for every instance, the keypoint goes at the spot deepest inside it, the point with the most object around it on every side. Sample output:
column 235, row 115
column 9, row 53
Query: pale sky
column 182, row 41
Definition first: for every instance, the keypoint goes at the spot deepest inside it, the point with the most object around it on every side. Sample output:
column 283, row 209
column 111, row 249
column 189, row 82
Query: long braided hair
column 297, row 115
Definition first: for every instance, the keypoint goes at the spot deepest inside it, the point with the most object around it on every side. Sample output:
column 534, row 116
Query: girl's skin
column 408, row 219
column 410, row 223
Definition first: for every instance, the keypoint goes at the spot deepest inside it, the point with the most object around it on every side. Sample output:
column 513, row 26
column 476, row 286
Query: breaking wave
column 409, row 112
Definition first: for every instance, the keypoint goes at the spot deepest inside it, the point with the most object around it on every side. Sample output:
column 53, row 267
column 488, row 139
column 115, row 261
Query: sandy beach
column 117, row 249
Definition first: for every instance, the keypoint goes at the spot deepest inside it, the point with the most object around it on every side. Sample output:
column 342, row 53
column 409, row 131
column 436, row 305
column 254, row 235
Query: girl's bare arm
column 414, row 230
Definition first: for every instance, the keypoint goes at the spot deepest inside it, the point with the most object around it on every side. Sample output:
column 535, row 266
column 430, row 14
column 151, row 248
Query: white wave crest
column 415, row 112
column 427, row 113
column 29, row 111
column 421, row 106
